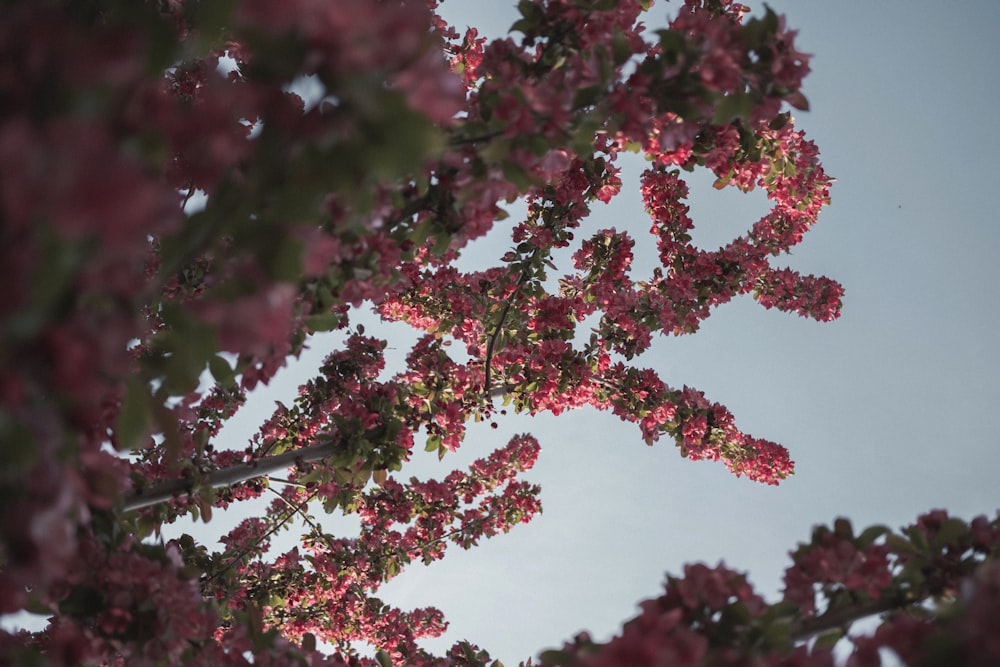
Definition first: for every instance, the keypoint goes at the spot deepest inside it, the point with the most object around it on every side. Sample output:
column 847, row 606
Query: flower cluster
column 713, row 616
column 328, row 591
column 178, row 220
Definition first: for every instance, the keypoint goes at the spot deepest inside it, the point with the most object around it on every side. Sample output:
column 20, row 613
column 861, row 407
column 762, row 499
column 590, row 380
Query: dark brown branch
column 225, row 477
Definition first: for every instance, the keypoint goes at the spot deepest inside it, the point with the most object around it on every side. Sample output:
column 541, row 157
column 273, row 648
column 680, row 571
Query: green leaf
column 672, row 44
column 901, row 545
column 145, row 526
column 395, row 141
column 134, row 420
column 516, row 174
column 285, row 262
column 523, row 26
column 757, row 31
column 918, row 539
column 82, row 602
column 620, row 49
column 35, row 605
column 735, row 614
column 952, row 531
column 221, row 370
column 19, row 450
column 186, row 344
column 470, row 655
column 554, row 657
column 495, row 151
column 582, row 141
column 782, row 610
column 733, row 106
column 777, row 635
column 586, row 97
column 531, row 11
column 869, row 535
column 205, row 505
column 323, row 322
column 212, row 18
column 842, row 529
column 798, row 100
column 780, row 121
column 828, row 640
column 360, row 477
column 330, row 504
column 383, row 659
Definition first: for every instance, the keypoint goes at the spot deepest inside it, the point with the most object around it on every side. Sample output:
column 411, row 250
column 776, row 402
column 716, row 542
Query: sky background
column 889, row 412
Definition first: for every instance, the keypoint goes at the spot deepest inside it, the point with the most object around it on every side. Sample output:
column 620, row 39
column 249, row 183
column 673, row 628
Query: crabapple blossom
column 178, row 218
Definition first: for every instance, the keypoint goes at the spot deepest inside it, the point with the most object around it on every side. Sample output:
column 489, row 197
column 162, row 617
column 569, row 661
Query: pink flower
column 431, row 88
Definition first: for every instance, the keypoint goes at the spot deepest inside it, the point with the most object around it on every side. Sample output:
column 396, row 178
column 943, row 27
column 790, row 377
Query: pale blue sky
column 889, row 412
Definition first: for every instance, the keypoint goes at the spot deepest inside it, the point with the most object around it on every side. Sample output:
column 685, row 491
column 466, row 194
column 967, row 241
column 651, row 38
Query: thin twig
column 306, row 518
column 491, row 344
column 287, row 481
column 187, row 197
column 263, row 537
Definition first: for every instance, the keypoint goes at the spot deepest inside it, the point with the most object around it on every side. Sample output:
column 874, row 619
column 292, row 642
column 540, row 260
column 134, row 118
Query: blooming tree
column 176, row 221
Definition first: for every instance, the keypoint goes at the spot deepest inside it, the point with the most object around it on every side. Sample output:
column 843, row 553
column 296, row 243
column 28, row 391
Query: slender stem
column 356, row 587
column 491, row 344
column 187, row 197
column 286, row 481
column 263, row 537
column 306, row 518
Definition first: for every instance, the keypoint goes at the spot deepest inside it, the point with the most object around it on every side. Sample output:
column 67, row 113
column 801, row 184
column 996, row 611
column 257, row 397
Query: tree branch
column 226, row 477
column 491, row 343
column 271, row 531
column 842, row 617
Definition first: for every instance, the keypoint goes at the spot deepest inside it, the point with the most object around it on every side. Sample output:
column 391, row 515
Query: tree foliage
column 178, row 216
